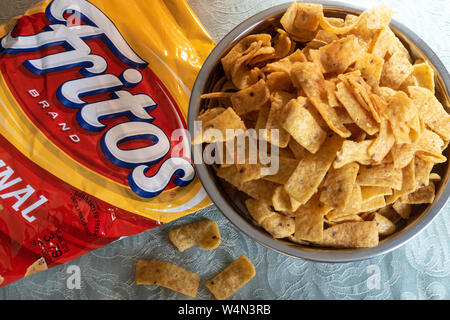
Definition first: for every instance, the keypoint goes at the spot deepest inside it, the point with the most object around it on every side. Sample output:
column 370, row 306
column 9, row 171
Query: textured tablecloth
column 418, row 270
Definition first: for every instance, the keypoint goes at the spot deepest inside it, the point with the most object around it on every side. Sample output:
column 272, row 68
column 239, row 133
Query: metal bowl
column 232, row 205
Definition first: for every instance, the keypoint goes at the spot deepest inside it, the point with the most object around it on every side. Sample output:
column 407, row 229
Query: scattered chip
column 38, row 266
column 204, row 233
column 167, row 275
column 232, row 278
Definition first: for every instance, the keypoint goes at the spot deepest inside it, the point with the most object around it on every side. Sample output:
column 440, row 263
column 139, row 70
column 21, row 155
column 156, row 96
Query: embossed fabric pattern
column 418, row 270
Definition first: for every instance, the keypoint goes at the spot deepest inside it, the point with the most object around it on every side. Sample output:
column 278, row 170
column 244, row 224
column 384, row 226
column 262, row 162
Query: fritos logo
column 107, row 110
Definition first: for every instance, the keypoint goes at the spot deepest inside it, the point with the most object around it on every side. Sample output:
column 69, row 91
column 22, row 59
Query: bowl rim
column 243, row 225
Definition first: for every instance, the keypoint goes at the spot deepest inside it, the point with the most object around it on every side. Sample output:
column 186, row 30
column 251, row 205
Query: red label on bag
column 93, row 142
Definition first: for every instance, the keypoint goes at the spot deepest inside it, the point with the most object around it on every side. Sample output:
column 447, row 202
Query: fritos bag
column 93, row 146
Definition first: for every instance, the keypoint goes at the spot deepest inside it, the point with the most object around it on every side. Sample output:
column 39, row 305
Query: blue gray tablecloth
column 418, row 270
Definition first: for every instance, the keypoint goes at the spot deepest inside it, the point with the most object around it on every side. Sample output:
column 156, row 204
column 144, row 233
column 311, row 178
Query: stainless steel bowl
column 232, row 206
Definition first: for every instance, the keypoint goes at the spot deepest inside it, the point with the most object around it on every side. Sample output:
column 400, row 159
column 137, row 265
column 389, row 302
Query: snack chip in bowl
column 344, row 113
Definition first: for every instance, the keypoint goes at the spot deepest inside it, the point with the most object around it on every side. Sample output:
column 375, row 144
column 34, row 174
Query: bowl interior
column 231, row 202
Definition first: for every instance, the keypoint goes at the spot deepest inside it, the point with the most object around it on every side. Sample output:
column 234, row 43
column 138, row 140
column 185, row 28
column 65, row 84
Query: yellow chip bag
column 168, row 275
column 94, row 102
column 232, row 278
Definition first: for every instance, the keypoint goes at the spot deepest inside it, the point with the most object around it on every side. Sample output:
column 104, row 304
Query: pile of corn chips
column 359, row 126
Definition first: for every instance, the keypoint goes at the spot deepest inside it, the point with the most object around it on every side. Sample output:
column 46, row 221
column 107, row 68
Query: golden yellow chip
column 249, row 172
column 279, row 225
column 232, row 278
column 373, row 204
column 282, row 202
column 385, row 226
column 359, row 115
column 338, row 186
column 383, row 143
column 408, row 183
column 369, row 193
column 342, row 219
column 285, row 170
column 1, row 280
column 209, row 114
column 37, row 266
column 336, row 27
column 402, row 209
column 424, row 75
column 251, row 98
column 371, row 21
column 297, row 150
column 274, row 119
column 396, row 70
column 168, row 275
column 301, row 20
column 337, row 56
column 362, row 92
column 371, row 67
column 306, row 75
column 384, row 175
column 362, row 234
column 399, row 112
column 326, row 36
column 215, row 129
column 309, row 219
column 352, row 151
column 422, row 170
column 285, row 64
column 403, row 154
column 204, row 233
column 431, row 110
column 242, row 75
column 258, row 210
column 302, row 126
column 303, row 182
column 279, row 81
column 242, row 46
column 435, row 177
column 429, row 147
column 259, row 189
column 423, row 195
column 382, row 43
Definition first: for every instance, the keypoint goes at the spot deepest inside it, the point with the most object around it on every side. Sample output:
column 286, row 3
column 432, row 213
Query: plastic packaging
column 93, row 146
